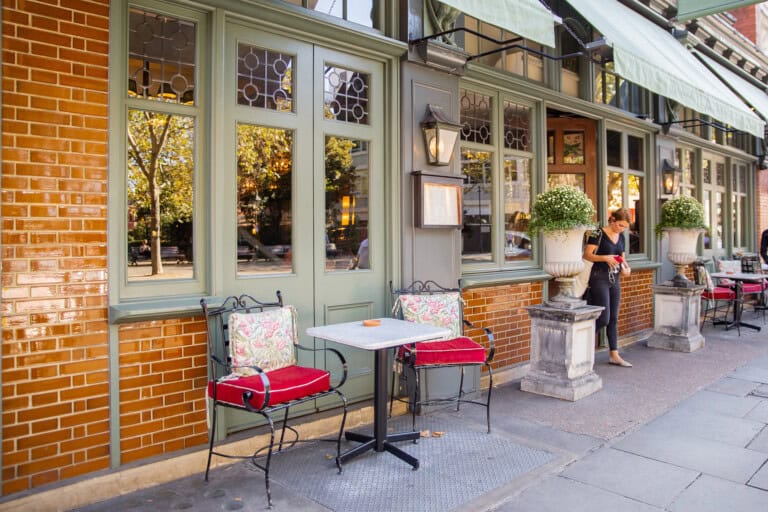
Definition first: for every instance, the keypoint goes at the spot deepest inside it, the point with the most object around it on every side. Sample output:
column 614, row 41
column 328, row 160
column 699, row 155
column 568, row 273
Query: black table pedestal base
column 369, row 443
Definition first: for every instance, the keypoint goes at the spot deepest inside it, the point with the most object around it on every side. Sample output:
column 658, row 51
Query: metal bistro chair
column 253, row 367
column 713, row 296
column 427, row 302
column 751, row 264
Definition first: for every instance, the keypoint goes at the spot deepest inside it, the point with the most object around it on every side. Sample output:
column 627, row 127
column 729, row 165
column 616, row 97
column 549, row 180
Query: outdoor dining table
column 389, row 333
column 739, row 278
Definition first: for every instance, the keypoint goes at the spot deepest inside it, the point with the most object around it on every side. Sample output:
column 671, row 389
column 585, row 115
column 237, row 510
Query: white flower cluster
column 561, row 208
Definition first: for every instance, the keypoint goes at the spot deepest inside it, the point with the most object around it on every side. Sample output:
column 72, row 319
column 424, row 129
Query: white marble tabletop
column 391, row 333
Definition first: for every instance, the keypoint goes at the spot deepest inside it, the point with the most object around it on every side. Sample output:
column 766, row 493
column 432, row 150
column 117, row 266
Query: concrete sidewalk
column 678, row 432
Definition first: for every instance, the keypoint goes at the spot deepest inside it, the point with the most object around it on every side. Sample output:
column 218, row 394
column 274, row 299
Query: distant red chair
column 752, row 265
column 713, row 296
column 252, row 352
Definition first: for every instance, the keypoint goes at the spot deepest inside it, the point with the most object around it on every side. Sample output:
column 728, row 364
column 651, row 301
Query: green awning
column 647, row 55
column 526, row 18
column 754, row 96
column 690, row 9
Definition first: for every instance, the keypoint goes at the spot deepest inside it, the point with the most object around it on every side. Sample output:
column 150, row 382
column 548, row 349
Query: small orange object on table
column 372, row 323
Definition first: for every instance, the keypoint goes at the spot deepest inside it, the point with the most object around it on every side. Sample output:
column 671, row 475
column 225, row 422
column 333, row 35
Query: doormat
column 454, row 468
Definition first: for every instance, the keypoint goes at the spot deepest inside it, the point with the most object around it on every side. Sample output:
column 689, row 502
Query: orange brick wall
column 162, row 387
column 636, row 311
column 54, row 253
column 501, row 308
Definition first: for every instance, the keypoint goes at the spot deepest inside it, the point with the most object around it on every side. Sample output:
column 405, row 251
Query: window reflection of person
column 362, row 255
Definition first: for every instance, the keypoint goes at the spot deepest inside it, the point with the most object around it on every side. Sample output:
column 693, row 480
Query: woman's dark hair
column 621, row 214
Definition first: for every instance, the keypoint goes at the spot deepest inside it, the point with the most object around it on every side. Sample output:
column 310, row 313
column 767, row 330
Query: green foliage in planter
column 682, row 212
column 561, row 208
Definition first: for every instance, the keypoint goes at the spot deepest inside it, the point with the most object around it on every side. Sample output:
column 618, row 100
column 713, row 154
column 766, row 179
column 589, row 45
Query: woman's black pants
column 603, row 292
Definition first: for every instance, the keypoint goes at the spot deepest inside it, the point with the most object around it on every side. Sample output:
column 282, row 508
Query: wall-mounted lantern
column 670, row 178
column 440, row 135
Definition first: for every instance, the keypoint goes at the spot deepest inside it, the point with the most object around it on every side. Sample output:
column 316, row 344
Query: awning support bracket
column 694, row 122
column 506, row 44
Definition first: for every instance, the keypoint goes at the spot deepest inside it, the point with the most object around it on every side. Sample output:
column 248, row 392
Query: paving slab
column 760, row 480
column 760, row 442
column 736, row 387
column 752, row 373
column 559, row 494
column 710, row 457
column 707, row 425
column 761, row 391
column 760, row 412
column 720, row 403
column 646, row 480
column 708, row 494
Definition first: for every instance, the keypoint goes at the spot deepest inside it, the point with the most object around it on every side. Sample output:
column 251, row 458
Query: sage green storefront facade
column 231, row 147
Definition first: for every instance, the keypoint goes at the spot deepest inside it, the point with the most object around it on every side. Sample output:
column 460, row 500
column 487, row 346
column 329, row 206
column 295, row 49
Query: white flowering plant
column 561, row 208
column 683, row 212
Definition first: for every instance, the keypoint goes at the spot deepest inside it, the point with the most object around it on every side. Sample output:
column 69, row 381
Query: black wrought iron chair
column 713, row 296
column 751, row 264
column 253, row 367
column 427, row 302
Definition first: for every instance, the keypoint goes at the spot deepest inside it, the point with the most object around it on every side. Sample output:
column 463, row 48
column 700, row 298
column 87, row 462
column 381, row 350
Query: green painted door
column 302, row 185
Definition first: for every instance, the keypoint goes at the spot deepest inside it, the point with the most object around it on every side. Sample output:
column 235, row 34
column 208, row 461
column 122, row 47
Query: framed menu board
column 437, row 200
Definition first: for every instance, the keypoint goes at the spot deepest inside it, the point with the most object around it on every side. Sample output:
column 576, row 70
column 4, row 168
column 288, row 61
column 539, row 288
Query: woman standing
column 605, row 248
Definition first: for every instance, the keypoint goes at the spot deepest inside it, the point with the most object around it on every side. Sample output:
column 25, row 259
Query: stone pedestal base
column 562, row 352
column 676, row 318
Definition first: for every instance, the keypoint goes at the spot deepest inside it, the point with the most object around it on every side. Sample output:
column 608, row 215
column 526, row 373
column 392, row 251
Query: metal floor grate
column 459, row 466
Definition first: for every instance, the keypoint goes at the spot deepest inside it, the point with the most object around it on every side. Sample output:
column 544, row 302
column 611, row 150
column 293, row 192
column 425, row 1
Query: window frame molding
column 121, row 290
column 646, row 175
column 498, row 263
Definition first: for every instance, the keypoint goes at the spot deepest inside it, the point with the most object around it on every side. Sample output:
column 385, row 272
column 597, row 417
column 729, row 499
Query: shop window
column 685, row 160
column 611, row 89
column 347, row 174
column 476, row 117
column 713, row 199
column 161, row 141
column 477, row 200
column 264, row 207
column 345, row 95
column 517, row 208
column 626, row 184
column 264, row 78
column 739, row 211
column 363, row 12
column 497, row 163
column 518, row 61
column 688, row 119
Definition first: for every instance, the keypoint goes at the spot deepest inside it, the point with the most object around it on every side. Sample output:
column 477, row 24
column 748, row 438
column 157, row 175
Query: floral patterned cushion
column 441, row 310
column 264, row 339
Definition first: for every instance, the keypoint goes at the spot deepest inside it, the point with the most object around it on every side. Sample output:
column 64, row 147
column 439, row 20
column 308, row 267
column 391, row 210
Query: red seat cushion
column 752, row 288
column 719, row 293
column 285, row 384
column 455, row 351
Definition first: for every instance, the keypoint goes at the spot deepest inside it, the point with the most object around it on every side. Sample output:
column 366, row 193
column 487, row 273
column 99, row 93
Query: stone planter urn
column 682, row 252
column 562, row 259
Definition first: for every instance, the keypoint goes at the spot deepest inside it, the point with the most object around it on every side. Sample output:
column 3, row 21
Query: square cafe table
column 739, row 278
column 390, row 333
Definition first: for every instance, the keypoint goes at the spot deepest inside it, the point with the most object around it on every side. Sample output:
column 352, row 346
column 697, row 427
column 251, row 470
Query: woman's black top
column 605, row 246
